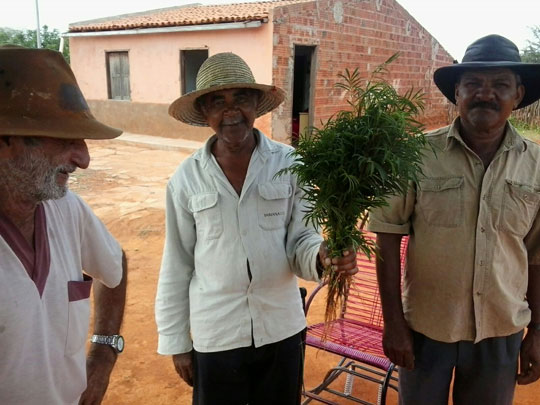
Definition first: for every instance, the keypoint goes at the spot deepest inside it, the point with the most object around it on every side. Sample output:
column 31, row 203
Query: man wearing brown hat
column 51, row 244
column 228, row 306
column 472, row 281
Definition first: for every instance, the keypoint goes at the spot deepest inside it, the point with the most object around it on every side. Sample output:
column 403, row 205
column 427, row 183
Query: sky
column 454, row 23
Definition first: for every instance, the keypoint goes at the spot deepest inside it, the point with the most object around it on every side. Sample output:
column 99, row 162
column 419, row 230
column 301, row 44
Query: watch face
column 120, row 344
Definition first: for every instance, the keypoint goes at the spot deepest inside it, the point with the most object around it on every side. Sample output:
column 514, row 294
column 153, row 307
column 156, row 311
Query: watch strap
column 110, row 340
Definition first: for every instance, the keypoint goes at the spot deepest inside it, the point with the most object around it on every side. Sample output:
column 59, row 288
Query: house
column 131, row 67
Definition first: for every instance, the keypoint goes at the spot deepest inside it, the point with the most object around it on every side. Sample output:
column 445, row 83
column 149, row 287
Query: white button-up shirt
column 205, row 298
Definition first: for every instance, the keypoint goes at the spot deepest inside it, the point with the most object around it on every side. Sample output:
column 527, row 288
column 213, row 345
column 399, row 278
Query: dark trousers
column 268, row 375
column 484, row 373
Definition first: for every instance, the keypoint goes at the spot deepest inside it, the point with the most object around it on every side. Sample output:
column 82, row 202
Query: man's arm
column 108, row 314
column 397, row 337
column 530, row 348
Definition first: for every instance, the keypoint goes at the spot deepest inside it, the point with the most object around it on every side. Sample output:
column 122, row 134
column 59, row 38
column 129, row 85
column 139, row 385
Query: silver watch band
column 116, row 342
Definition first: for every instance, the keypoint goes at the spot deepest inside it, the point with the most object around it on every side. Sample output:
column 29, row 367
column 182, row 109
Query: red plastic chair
column 356, row 336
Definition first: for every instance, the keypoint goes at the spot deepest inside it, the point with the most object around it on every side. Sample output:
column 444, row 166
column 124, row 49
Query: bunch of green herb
column 355, row 161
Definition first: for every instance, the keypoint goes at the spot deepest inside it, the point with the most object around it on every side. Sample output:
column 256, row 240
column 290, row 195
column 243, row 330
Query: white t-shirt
column 42, row 339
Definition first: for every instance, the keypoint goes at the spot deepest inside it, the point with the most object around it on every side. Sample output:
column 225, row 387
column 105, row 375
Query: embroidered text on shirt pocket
column 273, row 204
column 78, row 314
column 440, row 201
column 207, row 215
column 519, row 207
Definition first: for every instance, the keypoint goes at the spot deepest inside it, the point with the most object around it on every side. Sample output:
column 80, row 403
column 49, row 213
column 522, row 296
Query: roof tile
column 195, row 14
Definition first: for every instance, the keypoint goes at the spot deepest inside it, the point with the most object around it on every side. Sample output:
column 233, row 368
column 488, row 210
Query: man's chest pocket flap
column 440, row 201
column 273, row 204
column 519, row 207
column 207, row 214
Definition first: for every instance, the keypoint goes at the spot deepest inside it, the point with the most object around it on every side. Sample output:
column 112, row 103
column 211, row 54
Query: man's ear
column 520, row 93
column 456, row 92
column 6, row 143
column 258, row 97
column 199, row 105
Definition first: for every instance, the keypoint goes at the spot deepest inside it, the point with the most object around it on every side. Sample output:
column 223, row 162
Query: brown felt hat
column 491, row 52
column 39, row 96
column 223, row 71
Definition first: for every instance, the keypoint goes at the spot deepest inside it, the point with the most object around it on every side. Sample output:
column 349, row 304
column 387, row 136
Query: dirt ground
column 125, row 185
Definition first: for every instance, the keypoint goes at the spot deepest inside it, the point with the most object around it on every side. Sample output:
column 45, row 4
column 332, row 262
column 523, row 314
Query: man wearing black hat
column 49, row 237
column 472, row 282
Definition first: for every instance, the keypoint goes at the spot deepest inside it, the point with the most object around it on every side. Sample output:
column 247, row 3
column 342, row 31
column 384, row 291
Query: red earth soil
column 125, row 185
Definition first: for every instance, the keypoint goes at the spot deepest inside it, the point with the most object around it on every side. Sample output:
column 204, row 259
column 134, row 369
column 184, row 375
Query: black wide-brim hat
column 491, row 52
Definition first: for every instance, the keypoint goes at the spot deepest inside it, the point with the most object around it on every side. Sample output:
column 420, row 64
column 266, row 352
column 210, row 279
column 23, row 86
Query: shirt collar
column 512, row 139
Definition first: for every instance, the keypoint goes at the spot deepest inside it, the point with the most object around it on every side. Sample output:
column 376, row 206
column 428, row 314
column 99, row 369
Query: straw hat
column 492, row 51
column 39, row 96
column 220, row 72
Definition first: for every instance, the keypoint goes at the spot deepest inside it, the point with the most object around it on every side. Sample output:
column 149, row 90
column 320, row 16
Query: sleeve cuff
column 377, row 226
column 169, row 345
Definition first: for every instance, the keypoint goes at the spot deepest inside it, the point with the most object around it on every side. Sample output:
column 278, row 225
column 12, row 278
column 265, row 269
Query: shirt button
column 478, row 293
column 482, row 229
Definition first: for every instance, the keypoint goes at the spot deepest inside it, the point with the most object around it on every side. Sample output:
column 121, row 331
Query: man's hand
column 529, row 358
column 99, row 364
column 345, row 264
column 398, row 344
column 183, row 364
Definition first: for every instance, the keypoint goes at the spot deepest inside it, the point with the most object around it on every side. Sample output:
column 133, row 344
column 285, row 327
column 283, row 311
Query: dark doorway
column 190, row 62
column 303, row 79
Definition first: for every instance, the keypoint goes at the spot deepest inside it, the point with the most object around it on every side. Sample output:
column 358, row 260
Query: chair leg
column 349, row 380
column 383, row 388
column 384, row 380
column 328, row 379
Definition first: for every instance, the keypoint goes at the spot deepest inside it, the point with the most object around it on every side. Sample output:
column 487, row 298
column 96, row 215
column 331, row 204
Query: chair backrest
column 363, row 303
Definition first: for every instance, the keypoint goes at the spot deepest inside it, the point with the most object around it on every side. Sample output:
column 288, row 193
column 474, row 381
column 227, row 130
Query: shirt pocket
column 207, row 215
column 519, row 207
column 78, row 314
column 440, row 201
column 272, row 204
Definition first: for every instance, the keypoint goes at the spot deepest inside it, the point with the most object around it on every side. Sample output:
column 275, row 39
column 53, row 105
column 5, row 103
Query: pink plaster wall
column 154, row 61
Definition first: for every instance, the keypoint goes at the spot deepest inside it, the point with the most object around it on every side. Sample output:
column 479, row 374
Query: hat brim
column 67, row 128
column 446, row 78
column 184, row 108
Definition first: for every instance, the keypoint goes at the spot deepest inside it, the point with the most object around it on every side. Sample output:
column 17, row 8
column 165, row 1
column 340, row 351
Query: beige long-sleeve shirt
column 205, row 296
column 473, row 233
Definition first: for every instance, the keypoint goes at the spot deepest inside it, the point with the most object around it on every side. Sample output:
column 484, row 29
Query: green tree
column 531, row 53
column 49, row 39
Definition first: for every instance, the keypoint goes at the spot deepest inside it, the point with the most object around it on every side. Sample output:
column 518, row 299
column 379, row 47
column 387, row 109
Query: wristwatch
column 115, row 341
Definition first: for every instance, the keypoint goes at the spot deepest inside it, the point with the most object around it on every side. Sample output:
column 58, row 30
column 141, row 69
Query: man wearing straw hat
column 228, row 306
column 51, row 244
column 472, row 282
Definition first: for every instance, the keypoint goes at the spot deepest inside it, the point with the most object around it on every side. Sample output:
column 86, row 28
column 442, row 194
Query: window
column 190, row 62
column 118, row 75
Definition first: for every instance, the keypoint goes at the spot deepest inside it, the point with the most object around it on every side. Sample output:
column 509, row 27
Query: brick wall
column 350, row 34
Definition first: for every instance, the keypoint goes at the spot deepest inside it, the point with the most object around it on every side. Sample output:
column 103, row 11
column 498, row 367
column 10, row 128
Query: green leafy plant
column 357, row 159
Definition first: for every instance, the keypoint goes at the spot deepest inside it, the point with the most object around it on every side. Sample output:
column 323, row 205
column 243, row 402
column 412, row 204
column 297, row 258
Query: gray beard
column 32, row 176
